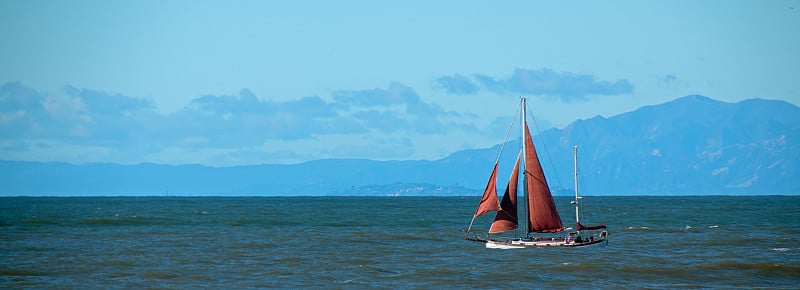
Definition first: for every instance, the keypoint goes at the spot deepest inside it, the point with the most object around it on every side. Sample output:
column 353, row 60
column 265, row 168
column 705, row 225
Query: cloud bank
column 119, row 127
column 84, row 125
column 457, row 84
column 565, row 86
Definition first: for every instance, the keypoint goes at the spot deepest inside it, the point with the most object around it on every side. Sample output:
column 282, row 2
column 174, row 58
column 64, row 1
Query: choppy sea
column 388, row 242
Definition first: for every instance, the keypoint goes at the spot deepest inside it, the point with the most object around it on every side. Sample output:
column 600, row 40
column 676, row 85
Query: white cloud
column 565, row 86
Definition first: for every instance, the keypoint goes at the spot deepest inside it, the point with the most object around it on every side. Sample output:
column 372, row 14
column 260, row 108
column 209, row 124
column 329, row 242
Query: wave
column 41, row 222
column 675, row 229
column 762, row 267
column 119, row 220
column 637, row 228
column 686, row 228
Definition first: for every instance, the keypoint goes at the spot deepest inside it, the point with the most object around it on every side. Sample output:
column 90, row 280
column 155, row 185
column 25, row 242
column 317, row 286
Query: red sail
column 542, row 214
column 489, row 199
column 506, row 218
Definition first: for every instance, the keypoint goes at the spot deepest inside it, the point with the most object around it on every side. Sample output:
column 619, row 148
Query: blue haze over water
column 389, row 242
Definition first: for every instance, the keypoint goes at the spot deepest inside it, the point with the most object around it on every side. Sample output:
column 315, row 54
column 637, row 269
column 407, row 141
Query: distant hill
column 692, row 145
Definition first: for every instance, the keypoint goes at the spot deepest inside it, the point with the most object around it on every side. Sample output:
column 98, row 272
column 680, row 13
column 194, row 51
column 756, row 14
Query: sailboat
column 543, row 222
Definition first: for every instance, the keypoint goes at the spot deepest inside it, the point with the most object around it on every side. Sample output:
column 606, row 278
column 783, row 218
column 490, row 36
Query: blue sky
column 245, row 82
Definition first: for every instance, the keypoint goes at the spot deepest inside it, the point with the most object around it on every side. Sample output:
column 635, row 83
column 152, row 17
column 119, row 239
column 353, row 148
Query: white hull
column 500, row 245
column 547, row 242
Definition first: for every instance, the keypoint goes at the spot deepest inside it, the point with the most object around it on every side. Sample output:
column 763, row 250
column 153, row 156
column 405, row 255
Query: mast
column 524, row 173
column 577, row 218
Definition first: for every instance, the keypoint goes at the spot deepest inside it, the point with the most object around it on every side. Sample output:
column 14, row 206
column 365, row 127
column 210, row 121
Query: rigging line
column 516, row 219
column 581, row 204
column 582, row 185
column 552, row 165
column 503, row 145
column 580, row 178
column 582, row 181
column 541, row 181
column 592, row 214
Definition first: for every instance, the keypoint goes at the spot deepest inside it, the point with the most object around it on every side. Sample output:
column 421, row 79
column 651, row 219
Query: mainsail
column 542, row 214
column 506, row 218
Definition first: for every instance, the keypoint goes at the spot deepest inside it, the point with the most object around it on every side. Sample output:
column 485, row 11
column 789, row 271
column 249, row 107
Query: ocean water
column 388, row 242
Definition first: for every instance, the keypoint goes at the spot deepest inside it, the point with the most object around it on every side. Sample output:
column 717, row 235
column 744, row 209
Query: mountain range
column 693, row 145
